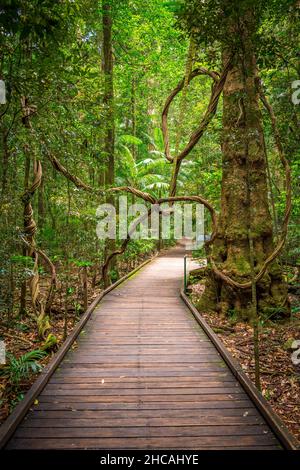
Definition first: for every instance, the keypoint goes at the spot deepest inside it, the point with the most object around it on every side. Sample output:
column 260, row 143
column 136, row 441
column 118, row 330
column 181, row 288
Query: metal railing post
column 184, row 273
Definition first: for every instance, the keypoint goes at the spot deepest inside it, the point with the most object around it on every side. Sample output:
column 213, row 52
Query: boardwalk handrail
column 11, row 423
column 288, row 441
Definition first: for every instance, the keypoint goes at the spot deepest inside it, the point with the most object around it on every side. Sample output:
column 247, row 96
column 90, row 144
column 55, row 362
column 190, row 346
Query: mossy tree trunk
column 245, row 210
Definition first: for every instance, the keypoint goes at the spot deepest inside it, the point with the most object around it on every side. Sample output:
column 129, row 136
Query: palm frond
column 21, row 367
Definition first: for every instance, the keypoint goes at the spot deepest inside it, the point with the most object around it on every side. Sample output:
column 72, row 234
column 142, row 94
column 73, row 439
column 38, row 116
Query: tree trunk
column 109, row 138
column 24, row 249
column 133, row 114
column 109, row 133
column 244, row 202
column 41, row 204
column 85, row 288
column 5, row 158
column 150, row 112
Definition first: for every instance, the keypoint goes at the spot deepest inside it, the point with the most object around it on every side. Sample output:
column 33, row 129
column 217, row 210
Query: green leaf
column 130, row 139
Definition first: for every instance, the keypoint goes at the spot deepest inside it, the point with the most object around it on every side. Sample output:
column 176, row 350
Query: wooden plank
column 137, row 383
column 136, row 349
column 165, row 385
column 260, row 432
column 140, row 398
column 285, row 437
column 211, row 442
column 187, row 415
column 81, row 405
column 201, row 379
column 141, row 422
column 101, row 391
column 146, row 361
column 117, row 373
column 159, row 369
column 139, row 341
column 11, row 423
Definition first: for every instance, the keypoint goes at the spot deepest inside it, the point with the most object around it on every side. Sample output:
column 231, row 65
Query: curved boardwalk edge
column 288, row 441
column 147, row 373
column 11, row 423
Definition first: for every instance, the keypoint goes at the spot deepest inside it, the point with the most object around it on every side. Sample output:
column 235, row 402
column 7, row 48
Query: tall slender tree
column 108, row 99
column 109, row 114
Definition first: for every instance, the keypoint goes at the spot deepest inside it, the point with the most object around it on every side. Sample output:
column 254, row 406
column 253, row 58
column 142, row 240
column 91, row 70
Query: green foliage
column 21, row 327
column 113, row 274
column 51, row 52
column 199, row 253
column 216, row 17
column 70, row 290
column 15, row 401
column 22, row 259
column 50, row 342
column 272, row 313
column 139, row 246
column 233, row 316
column 81, row 263
column 20, row 368
column 130, row 139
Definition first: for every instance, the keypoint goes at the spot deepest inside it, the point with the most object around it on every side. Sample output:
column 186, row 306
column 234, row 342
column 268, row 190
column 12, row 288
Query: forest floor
column 21, row 336
column 280, row 378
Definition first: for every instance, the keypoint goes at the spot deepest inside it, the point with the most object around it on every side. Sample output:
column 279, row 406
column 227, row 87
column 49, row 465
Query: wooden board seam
column 11, row 423
column 287, row 440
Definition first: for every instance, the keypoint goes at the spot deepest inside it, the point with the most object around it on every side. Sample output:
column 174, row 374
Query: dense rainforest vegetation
column 163, row 101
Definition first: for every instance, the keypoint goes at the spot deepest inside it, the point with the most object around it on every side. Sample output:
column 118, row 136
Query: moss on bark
column 244, row 198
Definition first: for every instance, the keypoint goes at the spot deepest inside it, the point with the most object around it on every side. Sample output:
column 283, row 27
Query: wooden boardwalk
column 144, row 375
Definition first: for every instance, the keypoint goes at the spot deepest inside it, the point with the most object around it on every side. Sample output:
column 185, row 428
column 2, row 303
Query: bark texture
column 245, row 214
